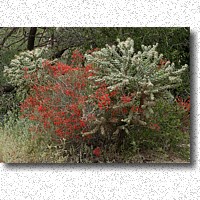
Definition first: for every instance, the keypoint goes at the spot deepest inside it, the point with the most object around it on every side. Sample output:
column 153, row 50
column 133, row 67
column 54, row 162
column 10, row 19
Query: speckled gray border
column 115, row 181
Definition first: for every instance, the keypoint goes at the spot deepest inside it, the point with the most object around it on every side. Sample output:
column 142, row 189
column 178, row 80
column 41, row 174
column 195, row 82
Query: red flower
column 104, row 101
column 126, row 99
column 68, row 92
column 185, row 104
column 135, row 109
column 40, row 108
column 97, row 151
column 154, row 127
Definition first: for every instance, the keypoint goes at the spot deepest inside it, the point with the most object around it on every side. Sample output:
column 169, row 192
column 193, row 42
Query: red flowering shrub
column 58, row 105
column 101, row 97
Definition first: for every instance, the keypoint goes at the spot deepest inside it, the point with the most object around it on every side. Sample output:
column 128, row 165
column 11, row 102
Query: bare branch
column 8, row 35
column 14, row 42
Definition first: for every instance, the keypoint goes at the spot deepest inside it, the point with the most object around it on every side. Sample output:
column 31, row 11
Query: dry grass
column 22, row 150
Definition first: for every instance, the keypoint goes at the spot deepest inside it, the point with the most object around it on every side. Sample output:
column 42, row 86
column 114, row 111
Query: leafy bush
column 167, row 131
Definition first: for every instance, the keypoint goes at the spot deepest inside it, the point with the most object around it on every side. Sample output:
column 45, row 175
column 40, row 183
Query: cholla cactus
column 120, row 67
column 26, row 62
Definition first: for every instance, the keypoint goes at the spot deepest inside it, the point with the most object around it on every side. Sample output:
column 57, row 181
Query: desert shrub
column 167, row 130
column 58, row 106
column 127, row 85
column 22, row 69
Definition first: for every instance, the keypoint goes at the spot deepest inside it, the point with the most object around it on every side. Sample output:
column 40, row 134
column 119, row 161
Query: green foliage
column 173, row 134
column 5, row 58
column 7, row 102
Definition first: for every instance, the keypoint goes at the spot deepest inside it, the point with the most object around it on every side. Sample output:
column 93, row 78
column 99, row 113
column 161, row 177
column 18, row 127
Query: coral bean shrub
column 58, row 106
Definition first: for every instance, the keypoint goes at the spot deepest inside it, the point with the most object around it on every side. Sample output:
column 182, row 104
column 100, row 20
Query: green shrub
column 168, row 131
